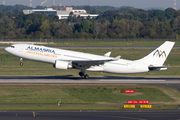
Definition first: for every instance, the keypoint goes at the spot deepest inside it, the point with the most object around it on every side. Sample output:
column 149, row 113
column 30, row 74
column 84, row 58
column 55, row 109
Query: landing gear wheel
column 81, row 74
column 86, row 76
column 21, row 63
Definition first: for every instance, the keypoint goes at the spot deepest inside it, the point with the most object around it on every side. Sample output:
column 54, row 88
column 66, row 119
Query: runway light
column 34, row 114
column 122, row 91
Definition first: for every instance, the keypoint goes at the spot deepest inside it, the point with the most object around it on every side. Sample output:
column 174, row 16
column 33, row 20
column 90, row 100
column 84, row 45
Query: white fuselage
column 50, row 55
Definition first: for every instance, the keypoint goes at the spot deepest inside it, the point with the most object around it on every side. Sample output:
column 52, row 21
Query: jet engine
column 64, row 65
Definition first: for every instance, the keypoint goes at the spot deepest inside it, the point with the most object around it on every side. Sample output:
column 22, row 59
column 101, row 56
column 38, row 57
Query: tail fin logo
column 160, row 53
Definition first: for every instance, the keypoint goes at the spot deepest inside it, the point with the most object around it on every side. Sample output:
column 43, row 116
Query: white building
column 62, row 14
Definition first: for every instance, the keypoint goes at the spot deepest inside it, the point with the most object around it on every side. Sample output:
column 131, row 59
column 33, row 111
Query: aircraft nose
column 7, row 49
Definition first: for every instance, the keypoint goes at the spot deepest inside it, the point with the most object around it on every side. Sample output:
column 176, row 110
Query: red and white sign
column 129, row 91
column 143, row 101
column 132, row 102
column 138, row 102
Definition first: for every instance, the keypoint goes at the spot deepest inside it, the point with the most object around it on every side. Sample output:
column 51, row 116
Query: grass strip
column 85, row 94
column 86, row 107
column 105, row 43
column 112, row 43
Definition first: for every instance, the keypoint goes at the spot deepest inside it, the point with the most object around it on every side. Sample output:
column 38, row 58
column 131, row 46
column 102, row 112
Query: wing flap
column 93, row 62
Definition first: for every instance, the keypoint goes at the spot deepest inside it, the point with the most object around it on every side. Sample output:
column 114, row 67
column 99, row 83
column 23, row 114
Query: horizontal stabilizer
column 151, row 67
column 117, row 58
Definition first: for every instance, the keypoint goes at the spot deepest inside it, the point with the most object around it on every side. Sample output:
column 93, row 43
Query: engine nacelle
column 62, row 65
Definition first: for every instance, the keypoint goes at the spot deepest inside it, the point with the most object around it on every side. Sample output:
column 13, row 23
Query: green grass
column 9, row 65
column 98, row 95
column 114, row 43
column 86, row 107
column 105, row 94
column 84, row 94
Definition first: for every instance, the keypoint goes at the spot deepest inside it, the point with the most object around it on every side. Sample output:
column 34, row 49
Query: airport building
column 62, row 14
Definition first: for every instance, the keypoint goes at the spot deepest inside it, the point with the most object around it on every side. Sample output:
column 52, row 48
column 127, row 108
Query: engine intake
column 63, row 65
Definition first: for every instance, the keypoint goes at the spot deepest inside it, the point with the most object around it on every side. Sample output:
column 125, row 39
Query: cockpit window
column 12, row 46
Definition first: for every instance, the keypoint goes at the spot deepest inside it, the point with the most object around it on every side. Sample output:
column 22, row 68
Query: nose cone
column 7, row 49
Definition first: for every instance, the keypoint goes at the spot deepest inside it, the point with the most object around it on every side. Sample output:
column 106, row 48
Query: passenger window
column 12, row 46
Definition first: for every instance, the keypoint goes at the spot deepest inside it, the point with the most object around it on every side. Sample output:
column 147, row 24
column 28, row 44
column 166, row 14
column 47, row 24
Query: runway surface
column 91, row 115
column 101, row 80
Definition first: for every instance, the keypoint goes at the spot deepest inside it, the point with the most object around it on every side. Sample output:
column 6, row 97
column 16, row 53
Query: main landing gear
column 21, row 61
column 82, row 74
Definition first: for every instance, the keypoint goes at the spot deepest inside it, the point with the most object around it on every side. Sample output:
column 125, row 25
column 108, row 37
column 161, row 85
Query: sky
column 116, row 3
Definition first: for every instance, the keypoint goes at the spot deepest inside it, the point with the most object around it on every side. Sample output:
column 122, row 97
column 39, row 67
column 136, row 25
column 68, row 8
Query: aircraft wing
column 89, row 63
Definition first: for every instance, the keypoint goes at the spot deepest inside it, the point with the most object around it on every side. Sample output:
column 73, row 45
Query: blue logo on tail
column 160, row 53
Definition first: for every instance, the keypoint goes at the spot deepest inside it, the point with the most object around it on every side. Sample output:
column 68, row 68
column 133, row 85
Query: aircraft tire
column 21, row 63
column 86, row 76
column 81, row 74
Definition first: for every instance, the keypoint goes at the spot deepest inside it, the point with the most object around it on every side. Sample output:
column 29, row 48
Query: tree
column 71, row 18
column 174, row 24
column 128, row 16
column 11, row 35
column 45, row 26
column 88, row 9
column 96, row 28
column 109, row 15
column 94, row 11
column 170, row 13
column 71, row 14
column 6, row 22
column 64, row 31
column 32, row 28
column 85, row 26
column 152, row 33
column 39, row 34
column 77, row 28
column 143, row 16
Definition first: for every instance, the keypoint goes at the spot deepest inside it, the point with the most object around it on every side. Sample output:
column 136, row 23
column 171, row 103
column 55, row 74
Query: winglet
column 107, row 54
column 117, row 58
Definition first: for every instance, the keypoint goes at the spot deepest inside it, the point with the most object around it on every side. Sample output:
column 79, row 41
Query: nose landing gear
column 82, row 74
column 21, row 61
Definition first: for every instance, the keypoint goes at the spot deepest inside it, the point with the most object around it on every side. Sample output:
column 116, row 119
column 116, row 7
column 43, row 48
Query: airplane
column 66, row 59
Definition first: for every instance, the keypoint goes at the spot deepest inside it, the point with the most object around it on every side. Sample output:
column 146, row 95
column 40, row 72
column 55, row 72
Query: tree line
column 124, row 22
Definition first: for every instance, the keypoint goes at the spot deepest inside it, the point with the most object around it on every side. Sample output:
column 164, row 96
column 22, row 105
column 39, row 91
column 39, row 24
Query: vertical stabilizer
column 159, row 55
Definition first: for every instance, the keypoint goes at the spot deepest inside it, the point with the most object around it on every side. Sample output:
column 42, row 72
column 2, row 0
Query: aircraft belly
column 125, row 68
